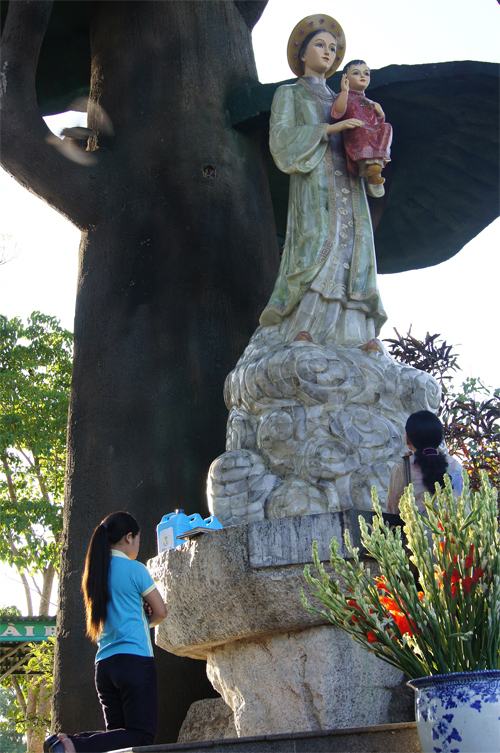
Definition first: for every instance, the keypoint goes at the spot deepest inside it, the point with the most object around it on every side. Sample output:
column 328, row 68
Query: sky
column 457, row 299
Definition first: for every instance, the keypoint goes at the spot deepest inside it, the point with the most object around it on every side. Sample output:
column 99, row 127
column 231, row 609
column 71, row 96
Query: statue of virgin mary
column 326, row 288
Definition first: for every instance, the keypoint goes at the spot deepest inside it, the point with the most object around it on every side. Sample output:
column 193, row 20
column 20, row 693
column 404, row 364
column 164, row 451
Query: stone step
column 383, row 738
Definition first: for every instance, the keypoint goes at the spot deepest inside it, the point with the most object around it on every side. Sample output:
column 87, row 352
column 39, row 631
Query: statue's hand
column 344, row 83
column 378, row 110
column 343, row 125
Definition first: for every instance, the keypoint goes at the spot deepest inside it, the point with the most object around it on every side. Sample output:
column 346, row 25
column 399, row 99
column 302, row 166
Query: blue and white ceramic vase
column 459, row 712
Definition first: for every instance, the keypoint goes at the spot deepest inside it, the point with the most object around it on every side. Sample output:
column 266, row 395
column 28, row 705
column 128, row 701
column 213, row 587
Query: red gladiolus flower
column 471, row 549
column 442, row 545
column 455, row 576
column 371, row 637
column 453, row 592
column 466, row 584
column 420, row 595
column 468, row 561
column 477, row 574
column 354, row 604
column 441, row 527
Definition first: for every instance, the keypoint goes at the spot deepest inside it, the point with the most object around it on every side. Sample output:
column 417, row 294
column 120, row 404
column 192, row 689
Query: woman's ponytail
column 95, row 575
column 425, row 432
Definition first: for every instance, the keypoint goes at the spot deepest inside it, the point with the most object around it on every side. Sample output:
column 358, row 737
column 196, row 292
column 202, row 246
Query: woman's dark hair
column 425, row 432
column 353, row 62
column 305, row 44
column 95, row 575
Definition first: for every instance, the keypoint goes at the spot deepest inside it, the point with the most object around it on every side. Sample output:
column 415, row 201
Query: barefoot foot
column 67, row 743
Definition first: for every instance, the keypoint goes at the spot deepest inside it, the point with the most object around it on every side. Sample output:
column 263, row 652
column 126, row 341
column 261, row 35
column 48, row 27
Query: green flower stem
column 450, row 630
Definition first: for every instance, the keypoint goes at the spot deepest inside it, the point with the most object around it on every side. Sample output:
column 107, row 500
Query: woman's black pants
column 127, row 690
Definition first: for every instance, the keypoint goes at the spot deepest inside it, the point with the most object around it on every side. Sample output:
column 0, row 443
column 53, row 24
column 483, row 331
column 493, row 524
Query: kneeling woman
column 122, row 603
column 424, row 435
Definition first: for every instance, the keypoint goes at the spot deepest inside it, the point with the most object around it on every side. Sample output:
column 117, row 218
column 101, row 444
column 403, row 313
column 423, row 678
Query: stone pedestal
column 312, row 428
column 233, row 599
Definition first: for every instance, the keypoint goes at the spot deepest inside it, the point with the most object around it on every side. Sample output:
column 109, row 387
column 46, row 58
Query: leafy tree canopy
column 35, row 375
column 470, row 414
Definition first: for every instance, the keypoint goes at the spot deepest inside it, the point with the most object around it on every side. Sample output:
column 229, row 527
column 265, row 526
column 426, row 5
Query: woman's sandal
column 53, row 745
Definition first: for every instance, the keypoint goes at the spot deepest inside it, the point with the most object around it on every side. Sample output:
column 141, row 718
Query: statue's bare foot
column 373, row 175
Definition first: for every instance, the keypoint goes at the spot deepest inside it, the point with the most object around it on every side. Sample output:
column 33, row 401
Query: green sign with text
column 38, row 630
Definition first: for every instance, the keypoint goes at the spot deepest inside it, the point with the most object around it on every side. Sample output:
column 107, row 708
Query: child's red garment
column 373, row 141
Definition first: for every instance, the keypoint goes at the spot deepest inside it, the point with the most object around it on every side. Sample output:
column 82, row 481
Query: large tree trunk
column 177, row 259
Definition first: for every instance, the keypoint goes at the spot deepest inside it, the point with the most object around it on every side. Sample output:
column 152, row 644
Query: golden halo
column 305, row 27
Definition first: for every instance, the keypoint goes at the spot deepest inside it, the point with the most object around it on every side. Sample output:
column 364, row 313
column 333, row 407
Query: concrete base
column 233, row 599
column 313, row 679
column 385, row 738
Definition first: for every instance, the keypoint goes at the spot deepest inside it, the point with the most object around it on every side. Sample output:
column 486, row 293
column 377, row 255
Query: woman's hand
column 343, row 125
column 155, row 608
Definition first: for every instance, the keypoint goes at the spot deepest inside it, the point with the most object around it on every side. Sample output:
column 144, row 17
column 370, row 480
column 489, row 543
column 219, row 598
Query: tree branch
column 13, row 548
column 66, row 186
column 48, row 579
column 26, row 457
column 19, row 694
column 24, row 580
column 41, row 482
column 251, row 10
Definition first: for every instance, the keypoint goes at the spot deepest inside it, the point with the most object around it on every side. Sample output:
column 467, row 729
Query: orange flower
column 399, row 618
column 390, row 604
column 403, row 624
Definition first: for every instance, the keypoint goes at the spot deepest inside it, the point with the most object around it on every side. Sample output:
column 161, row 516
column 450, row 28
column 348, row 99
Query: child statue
column 368, row 148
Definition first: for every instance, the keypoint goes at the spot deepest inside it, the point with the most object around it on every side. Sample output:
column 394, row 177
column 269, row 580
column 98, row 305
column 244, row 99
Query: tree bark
column 177, row 260
column 37, row 707
column 26, row 154
column 48, row 580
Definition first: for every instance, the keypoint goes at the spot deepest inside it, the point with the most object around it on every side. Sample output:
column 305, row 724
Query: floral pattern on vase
column 456, row 711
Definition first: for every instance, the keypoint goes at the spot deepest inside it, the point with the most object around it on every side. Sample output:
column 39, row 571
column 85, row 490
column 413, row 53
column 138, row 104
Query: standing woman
column 122, row 603
column 427, row 464
column 327, row 282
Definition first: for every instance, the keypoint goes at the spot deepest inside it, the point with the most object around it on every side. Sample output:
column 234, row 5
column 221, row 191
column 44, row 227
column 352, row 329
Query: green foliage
column 9, row 613
column 470, row 416
column 35, row 375
column 36, row 686
column 472, row 429
column 453, row 623
column 12, row 741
